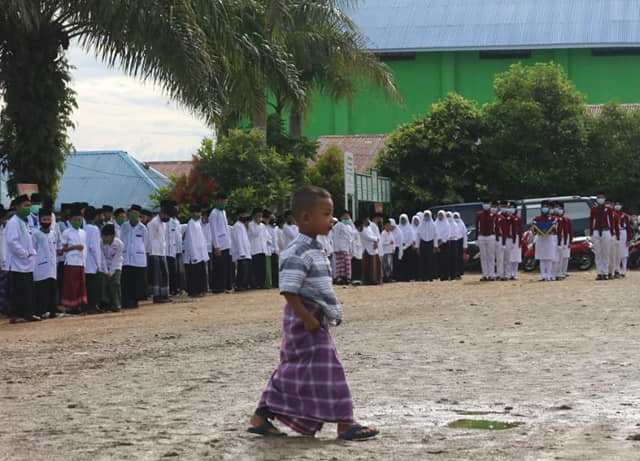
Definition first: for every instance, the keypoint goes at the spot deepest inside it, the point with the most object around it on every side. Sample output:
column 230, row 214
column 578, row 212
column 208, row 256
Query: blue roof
column 108, row 178
column 441, row 25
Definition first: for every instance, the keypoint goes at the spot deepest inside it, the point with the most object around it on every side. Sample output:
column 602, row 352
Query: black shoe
column 32, row 318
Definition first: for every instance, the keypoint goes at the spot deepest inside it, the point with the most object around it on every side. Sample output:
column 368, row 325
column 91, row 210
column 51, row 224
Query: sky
column 117, row 112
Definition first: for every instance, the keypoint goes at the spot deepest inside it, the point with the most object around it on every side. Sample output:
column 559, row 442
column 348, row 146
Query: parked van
column 577, row 208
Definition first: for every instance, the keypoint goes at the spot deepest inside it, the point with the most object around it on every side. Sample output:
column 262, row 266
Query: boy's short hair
column 119, row 211
column 108, row 229
column 90, row 213
column 44, row 212
column 306, row 199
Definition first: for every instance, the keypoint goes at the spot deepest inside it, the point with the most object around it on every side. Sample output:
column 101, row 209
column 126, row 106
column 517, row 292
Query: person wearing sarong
column 342, row 245
column 74, row 244
column 309, row 387
column 134, row 236
column 20, row 263
column 93, row 264
column 157, row 262
column 370, row 258
column 196, row 255
column 45, row 240
column 112, row 248
column 388, row 250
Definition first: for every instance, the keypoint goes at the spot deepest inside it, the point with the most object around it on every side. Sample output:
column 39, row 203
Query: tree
column 435, row 159
column 328, row 172
column 252, row 174
column 536, row 137
column 191, row 48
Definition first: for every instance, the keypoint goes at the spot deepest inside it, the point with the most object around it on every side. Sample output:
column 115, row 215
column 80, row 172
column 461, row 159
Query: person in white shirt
column 120, row 217
column 45, row 240
column 370, row 257
column 241, row 251
column 61, row 225
column 342, row 246
column 4, row 276
column 221, row 242
column 196, row 255
column 388, row 252
column 93, row 264
column 290, row 229
column 33, row 220
column 426, row 235
column 107, row 215
column 409, row 243
column 173, row 228
column 157, row 263
column 206, row 231
column 461, row 244
column 112, row 258
column 357, row 250
column 398, row 254
column 74, row 244
column 273, row 249
column 134, row 236
column 258, row 240
column 20, row 263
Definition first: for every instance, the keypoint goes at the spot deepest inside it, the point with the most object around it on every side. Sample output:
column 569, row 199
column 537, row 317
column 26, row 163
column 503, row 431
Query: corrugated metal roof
column 108, row 177
column 430, row 25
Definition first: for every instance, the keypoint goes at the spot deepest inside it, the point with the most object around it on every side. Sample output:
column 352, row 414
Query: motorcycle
column 582, row 256
column 634, row 254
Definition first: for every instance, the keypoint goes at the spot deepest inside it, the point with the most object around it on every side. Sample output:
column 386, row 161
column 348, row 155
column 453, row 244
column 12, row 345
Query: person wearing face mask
column 93, row 264
column 600, row 227
column 564, row 242
column 120, row 217
column 486, row 238
column 74, row 246
column 157, row 263
column 61, row 225
column 613, row 271
column 221, row 243
column 195, row 255
column 45, row 241
column 502, row 225
column 398, row 254
column 544, row 228
column 135, row 237
column 514, row 239
column 343, row 235
column 626, row 235
column 33, row 220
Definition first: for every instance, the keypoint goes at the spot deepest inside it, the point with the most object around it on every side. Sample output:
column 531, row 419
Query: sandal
column 358, row 433
column 266, row 429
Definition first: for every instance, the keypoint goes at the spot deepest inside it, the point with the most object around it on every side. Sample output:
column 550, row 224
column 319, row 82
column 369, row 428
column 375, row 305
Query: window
column 505, row 54
column 577, row 210
column 624, row 51
column 533, row 211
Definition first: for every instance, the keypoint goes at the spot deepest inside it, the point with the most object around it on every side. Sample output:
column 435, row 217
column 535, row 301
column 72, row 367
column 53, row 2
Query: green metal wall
column 432, row 75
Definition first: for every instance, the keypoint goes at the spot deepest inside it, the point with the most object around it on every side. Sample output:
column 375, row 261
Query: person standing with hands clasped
column 309, row 387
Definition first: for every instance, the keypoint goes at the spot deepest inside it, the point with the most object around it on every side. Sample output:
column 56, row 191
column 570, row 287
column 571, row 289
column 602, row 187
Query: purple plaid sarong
column 309, row 387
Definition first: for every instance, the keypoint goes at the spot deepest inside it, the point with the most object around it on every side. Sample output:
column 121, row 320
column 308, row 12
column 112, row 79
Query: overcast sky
column 116, row 112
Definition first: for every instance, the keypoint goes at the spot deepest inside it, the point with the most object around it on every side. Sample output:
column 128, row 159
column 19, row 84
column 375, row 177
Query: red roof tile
column 174, row 168
column 364, row 148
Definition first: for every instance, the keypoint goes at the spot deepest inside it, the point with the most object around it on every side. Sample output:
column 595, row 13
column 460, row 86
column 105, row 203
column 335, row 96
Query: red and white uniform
column 565, row 237
column 600, row 227
column 626, row 235
column 546, row 249
column 514, row 238
column 486, row 238
column 502, row 230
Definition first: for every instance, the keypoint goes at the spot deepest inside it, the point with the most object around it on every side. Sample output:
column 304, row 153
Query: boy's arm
column 311, row 324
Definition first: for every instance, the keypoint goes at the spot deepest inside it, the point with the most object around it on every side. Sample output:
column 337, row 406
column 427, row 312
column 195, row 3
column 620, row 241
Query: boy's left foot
column 356, row 432
column 262, row 426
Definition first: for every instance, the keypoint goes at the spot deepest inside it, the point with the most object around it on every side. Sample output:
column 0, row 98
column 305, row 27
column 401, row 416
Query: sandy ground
column 179, row 381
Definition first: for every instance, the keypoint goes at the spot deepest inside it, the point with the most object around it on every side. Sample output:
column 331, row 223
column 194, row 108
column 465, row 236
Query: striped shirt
column 305, row 271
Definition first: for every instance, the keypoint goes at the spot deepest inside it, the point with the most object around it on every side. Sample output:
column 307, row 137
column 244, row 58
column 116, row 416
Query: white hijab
column 398, row 238
column 462, row 228
column 408, row 232
column 443, row 229
column 427, row 230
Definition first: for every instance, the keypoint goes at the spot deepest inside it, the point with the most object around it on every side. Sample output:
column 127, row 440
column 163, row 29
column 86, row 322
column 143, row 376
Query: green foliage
column 244, row 167
column 536, row 137
column 328, row 172
column 435, row 159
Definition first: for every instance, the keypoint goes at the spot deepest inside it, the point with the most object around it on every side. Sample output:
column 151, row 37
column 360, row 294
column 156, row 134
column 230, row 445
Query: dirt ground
column 180, row 381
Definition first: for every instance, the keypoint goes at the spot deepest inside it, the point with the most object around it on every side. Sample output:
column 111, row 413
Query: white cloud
column 116, row 112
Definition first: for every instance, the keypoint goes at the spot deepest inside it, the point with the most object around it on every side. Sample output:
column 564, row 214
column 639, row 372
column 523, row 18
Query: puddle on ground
column 483, row 424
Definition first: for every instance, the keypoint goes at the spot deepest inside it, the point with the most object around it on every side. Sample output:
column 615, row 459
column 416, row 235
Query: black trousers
column 134, row 286
column 60, row 275
column 443, row 261
column 243, row 275
column 397, row 265
column 174, row 283
column 460, row 258
column 356, row 270
column 210, row 271
column 453, row 259
column 258, row 270
column 21, row 295
column 196, row 278
column 427, row 261
column 46, row 296
column 222, row 272
column 275, row 271
column 409, row 264
column 94, row 290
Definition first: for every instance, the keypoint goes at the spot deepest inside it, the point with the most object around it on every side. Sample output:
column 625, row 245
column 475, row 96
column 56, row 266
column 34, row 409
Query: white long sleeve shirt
column 135, row 240
column 206, row 231
column 46, row 245
column 427, row 229
column 273, row 236
column 157, row 237
column 19, row 244
column 112, row 256
column 376, row 232
column 74, row 237
column 369, row 240
column 342, row 237
column 240, row 246
column 219, row 229
column 61, row 226
column 356, row 246
column 172, row 228
column 195, row 245
column 388, row 244
column 93, row 251
column 258, row 238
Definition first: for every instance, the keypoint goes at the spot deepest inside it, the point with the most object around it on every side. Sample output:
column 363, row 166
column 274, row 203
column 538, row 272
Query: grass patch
column 482, row 424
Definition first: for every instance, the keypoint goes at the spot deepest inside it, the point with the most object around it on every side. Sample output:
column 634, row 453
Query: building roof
column 596, row 109
column 364, row 148
column 440, row 25
column 172, row 168
column 108, row 178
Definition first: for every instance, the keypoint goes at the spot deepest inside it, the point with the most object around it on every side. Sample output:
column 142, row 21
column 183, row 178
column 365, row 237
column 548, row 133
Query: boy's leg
column 267, row 272
column 115, row 292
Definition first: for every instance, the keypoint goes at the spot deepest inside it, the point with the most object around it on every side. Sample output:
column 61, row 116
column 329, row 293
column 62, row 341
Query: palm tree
column 192, row 49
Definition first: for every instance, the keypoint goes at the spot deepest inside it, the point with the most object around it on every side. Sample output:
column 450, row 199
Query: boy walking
column 309, row 387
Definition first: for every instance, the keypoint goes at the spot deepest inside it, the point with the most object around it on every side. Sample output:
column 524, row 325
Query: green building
column 438, row 46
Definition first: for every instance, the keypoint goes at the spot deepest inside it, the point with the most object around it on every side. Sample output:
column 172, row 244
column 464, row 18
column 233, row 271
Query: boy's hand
column 311, row 325
column 79, row 247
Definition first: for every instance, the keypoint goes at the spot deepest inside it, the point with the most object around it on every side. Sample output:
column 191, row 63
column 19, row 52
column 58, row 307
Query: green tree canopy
column 328, row 172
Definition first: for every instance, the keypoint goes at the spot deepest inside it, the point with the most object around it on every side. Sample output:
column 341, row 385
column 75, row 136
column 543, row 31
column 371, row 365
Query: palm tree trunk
column 295, row 123
column 259, row 116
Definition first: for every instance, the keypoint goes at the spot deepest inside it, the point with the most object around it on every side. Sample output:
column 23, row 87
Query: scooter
column 582, row 256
